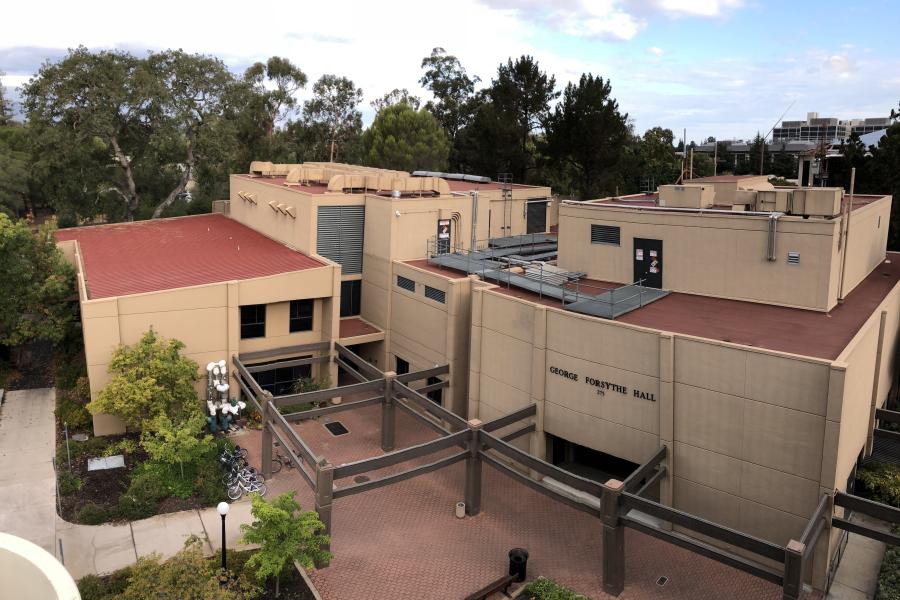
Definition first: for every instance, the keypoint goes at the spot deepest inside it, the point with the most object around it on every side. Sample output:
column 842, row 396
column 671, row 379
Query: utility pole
column 716, row 158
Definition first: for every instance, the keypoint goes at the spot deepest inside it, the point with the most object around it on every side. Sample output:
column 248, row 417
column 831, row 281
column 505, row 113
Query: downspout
column 773, row 230
column 848, row 211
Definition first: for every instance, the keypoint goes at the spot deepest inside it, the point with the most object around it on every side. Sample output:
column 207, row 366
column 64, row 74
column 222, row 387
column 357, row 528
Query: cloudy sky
column 726, row 68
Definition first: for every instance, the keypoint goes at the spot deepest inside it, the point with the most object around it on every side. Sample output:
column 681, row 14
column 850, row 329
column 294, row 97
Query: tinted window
column 253, row 321
column 350, row 297
column 301, row 315
column 402, row 366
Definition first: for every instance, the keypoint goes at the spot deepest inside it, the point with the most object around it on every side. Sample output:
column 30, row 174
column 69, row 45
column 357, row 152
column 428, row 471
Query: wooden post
column 793, row 570
column 388, row 417
column 324, row 491
column 473, row 470
column 613, row 538
column 266, row 405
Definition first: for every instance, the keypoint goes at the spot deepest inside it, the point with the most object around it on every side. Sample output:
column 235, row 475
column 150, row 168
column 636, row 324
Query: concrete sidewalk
column 857, row 575
column 27, row 478
column 100, row 549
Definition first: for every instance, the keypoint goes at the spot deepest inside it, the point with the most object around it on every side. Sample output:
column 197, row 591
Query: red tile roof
column 355, row 326
column 163, row 254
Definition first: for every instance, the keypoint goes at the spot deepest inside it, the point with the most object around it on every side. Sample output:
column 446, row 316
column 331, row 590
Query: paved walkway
column 88, row 549
column 27, row 480
column 857, row 575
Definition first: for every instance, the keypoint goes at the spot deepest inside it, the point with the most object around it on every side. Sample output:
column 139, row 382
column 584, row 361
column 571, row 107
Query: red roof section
column 164, row 254
column 280, row 182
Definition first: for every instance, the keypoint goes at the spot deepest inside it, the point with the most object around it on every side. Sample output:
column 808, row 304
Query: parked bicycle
column 279, row 460
column 246, row 484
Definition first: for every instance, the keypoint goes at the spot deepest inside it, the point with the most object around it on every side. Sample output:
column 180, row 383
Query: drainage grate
column 361, row 479
column 336, row 428
column 662, row 581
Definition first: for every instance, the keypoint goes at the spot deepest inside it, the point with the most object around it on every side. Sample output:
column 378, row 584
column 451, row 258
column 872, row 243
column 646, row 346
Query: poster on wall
column 443, row 236
column 638, row 254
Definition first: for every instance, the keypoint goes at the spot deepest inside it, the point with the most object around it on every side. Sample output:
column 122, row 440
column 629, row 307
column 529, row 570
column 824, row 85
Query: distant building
column 828, row 129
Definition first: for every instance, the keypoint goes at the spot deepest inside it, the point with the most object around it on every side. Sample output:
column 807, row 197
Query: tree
column 192, row 92
column 452, row 88
column 396, row 96
column 177, row 442
column 587, row 132
column 150, row 378
column 144, row 123
column 657, row 158
column 187, row 576
column 404, row 139
column 332, row 110
column 5, row 105
column 38, row 284
column 523, row 92
column 103, row 96
column 277, row 98
column 14, row 175
column 285, row 534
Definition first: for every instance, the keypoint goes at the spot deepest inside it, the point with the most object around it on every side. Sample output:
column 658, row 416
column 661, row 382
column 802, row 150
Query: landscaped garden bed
column 170, row 461
column 118, row 585
column 284, row 533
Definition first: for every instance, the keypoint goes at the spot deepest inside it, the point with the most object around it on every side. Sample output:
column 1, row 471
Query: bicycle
column 246, row 473
column 279, row 460
column 250, row 486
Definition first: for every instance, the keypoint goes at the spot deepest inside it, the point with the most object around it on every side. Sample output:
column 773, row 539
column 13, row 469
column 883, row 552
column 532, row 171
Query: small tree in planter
column 150, row 378
column 171, row 442
column 285, row 534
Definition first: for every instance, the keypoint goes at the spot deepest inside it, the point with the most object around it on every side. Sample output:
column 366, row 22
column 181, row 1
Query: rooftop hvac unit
column 823, row 202
column 686, row 196
column 774, row 201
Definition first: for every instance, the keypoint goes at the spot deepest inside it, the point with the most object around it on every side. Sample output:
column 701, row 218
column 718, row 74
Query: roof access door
column 648, row 261
column 536, row 216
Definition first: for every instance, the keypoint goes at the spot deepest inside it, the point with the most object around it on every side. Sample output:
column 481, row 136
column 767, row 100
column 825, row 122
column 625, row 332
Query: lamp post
column 223, row 510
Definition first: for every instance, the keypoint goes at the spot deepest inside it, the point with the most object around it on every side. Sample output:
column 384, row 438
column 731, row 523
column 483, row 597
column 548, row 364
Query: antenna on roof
column 762, row 151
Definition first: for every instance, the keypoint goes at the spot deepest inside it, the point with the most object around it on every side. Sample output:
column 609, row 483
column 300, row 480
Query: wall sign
column 602, row 386
column 444, row 229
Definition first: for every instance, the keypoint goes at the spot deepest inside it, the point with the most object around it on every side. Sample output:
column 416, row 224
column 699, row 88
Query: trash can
column 460, row 510
column 518, row 563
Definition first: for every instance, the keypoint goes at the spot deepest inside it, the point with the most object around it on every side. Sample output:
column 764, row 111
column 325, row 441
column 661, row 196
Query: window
column 350, row 297
column 605, row 234
column 406, row 283
column 283, row 380
column 435, row 294
column 253, row 321
column 402, row 366
column 301, row 315
column 436, row 396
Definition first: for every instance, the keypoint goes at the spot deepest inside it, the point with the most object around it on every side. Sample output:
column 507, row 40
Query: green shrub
column 547, row 589
column 69, row 410
column 879, row 482
column 108, row 587
column 91, row 514
column 68, row 483
column 889, row 578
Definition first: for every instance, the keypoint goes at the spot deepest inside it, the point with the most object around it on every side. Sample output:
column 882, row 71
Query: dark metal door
column 536, row 217
column 648, row 262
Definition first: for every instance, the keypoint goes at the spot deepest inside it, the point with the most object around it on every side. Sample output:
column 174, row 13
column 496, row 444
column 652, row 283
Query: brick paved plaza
column 404, row 542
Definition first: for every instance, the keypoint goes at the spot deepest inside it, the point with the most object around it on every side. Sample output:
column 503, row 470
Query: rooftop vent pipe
column 773, row 228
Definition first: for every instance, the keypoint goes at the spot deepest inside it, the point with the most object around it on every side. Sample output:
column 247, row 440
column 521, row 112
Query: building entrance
column 587, row 462
column 648, row 262
column 536, row 217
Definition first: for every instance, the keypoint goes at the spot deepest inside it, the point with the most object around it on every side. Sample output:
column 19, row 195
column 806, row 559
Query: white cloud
column 698, row 8
column 656, row 51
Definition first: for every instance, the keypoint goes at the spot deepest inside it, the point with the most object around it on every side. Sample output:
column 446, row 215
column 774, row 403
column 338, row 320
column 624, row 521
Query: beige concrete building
column 756, row 344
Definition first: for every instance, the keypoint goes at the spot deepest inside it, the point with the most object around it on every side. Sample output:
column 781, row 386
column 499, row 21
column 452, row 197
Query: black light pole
column 223, row 510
